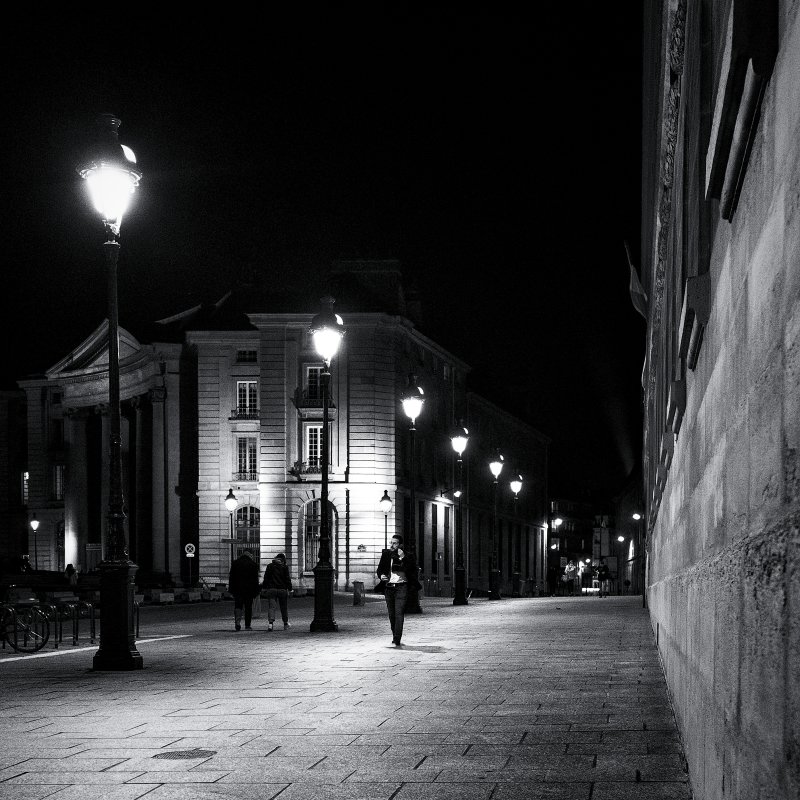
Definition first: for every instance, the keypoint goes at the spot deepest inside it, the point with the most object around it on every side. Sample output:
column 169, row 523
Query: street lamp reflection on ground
column 516, row 486
column 231, row 503
column 495, row 467
column 385, row 504
column 459, row 440
column 413, row 400
column 34, row 528
column 112, row 176
column 327, row 330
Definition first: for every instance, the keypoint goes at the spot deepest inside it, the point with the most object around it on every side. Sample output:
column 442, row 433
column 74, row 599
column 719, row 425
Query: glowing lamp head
column 637, row 516
column 231, row 502
column 457, row 493
column 516, row 484
column 459, row 439
column 620, row 538
column 558, row 522
column 496, row 465
column 413, row 399
column 385, row 502
column 110, row 173
column 34, row 524
column 327, row 330
column 554, row 546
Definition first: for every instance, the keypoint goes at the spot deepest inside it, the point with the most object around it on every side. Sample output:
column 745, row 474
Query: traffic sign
column 189, row 549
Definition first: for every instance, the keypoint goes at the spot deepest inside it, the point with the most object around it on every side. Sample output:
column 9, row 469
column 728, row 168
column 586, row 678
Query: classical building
column 227, row 403
column 721, row 267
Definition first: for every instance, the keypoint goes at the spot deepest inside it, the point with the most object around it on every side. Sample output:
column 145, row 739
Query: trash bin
column 358, row 593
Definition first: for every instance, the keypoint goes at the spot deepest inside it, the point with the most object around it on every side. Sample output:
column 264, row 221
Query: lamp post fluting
column 413, row 400
column 516, row 486
column 112, row 176
column 459, row 440
column 495, row 467
column 230, row 504
column 34, row 528
column 327, row 330
column 385, row 504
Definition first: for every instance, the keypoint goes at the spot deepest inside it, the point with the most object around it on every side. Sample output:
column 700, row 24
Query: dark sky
column 496, row 155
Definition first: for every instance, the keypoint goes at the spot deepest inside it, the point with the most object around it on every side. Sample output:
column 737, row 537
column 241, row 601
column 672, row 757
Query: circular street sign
column 189, row 549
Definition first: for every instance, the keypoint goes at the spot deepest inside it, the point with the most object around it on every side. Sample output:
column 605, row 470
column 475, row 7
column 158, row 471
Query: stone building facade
column 236, row 410
column 721, row 267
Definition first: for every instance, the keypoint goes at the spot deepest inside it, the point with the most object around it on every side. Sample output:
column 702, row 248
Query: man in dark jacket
column 243, row 585
column 397, row 571
column 278, row 584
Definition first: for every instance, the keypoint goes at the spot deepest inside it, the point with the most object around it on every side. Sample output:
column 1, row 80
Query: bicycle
column 26, row 629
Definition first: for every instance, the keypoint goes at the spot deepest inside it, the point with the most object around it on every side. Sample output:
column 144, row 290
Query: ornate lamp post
column 34, row 528
column 231, row 504
column 516, row 487
column 413, row 400
column 112, row 176
column 459, row 439
column 495, row 467
column 385, row 504
column 327, row 329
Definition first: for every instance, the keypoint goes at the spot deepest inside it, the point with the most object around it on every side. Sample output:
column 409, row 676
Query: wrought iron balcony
column 245, row 412
column 245, row 476
column 311, row 467
column 309, row 397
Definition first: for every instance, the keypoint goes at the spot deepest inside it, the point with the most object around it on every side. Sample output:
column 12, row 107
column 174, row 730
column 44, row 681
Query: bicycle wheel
column 28, row 632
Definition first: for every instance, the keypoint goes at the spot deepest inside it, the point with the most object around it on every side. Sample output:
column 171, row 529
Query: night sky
column 495, row 155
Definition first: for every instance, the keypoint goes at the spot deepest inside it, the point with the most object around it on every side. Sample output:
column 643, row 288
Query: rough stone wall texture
column 724, row 589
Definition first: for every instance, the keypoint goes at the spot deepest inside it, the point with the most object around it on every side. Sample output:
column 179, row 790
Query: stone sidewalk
column 557, row 698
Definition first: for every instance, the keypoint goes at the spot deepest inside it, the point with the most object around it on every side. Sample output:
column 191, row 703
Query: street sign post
column 190, row 551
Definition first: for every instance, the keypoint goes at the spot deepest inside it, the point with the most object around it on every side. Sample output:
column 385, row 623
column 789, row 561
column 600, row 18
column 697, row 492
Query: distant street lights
column 327, row 329
column 112, row 176
column 34, row 528
column 231, row 503
column 495, row 467
column 459, row 440
column 413, row 400
column 516, row 591
column 385, row 504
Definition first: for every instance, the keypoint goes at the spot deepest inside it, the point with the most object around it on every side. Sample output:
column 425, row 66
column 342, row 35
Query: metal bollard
column 358, row 593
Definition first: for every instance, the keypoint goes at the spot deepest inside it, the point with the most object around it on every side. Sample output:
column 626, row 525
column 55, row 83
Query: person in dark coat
column 277, row 583
column 397, row 571
column 243, row 585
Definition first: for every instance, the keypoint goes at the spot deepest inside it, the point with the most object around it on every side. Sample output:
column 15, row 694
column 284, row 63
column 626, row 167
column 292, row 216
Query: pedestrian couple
column 243, row 585
column 397, row 572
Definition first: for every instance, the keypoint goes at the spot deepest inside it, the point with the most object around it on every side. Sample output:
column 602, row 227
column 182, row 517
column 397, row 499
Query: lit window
column 246, row 455
column 26, row 477
column 248, row 533
column 313, row 382
column 246, row 398
column 312, row 447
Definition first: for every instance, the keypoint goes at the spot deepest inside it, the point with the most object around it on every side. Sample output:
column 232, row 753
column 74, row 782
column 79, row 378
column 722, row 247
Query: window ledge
column 694, row 317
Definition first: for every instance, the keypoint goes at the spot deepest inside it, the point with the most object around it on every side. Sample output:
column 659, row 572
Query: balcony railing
column 245, row 476
column 311, row 467
column 244, row 412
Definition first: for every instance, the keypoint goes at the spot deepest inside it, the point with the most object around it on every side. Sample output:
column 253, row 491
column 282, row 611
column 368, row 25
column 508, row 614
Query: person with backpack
column 277, row 584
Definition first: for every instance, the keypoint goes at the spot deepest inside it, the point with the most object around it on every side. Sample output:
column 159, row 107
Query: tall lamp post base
column 323, row 600
column 460, row 597
column 117, row 650
column 494, row 585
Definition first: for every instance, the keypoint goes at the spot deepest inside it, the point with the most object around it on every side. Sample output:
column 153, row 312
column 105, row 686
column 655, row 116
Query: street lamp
column 460, row 439
column 413, row 400
column 34, row 528
column 516, row 487
column 327, row 329
column 112, row 176
column 495, row 467
column 385, row 504
column 231, row 503
column 642, row 567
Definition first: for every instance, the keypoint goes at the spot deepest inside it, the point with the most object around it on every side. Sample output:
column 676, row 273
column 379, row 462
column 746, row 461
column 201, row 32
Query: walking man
column 398, row 571
column 278, row 584
column 243, row 585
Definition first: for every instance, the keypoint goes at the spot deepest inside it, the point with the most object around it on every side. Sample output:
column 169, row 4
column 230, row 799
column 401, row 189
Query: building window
column 312, row 447
column 313, row 382
column 247, row 531
column 246, row 356
column 246, row 399
column 25, row 486
column 447, row 540
column 57, row 488
column 312, row 526
column 246, row 458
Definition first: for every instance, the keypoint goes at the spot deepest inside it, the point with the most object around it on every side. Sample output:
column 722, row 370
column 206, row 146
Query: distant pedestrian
column 277, row 583
column 603, row 578
column 71, row 574
column 397, row 570
column 243, row 585
column 570, row 573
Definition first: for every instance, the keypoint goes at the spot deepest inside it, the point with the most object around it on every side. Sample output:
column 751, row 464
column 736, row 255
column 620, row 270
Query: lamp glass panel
column 110, row 189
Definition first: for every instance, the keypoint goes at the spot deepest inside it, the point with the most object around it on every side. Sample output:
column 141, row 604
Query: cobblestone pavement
column 523, row 698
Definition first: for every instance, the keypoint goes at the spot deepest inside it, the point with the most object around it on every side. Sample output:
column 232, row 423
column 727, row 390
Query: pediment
column 91, row 355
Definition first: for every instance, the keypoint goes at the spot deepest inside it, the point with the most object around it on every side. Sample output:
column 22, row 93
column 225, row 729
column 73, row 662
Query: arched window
column 247, row 522
column 312, row 525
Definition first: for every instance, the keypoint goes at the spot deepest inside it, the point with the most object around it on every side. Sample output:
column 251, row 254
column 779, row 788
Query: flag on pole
column 638, row 294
